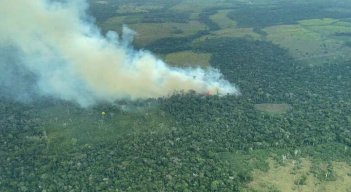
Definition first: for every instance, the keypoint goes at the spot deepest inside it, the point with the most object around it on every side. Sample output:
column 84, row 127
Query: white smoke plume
column 72, row 60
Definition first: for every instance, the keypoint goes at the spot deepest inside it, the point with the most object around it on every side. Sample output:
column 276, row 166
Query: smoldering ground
column 53, row 49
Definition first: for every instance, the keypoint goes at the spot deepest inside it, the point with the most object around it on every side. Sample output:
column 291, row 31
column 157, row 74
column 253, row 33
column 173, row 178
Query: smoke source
column 66, row 56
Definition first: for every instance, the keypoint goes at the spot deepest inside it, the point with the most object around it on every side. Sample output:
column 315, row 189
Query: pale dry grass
column 283, row 178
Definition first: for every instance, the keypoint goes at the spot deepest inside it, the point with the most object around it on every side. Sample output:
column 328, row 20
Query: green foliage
column 212, row 142
column 174, row 44
column 259, row 16
column 204, row 17
column 347, row 44
column 323, row 173
column 103, row 11
column 163, row 16
column 301, row 180
column 207, row 143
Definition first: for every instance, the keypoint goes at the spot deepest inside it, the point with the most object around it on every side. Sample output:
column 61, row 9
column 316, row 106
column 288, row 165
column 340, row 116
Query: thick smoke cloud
column 51, row 48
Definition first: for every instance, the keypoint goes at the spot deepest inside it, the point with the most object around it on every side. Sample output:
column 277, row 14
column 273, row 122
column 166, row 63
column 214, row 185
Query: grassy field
column 101, row 2
column 195, row 6
column 298, row 40
column 273, row 108
column 116, row 23
column 188, row 59
column 222, row 20
column 150, row 32
column 230, row 32
column 312, row 41
column 137, row 8
column 296, row 175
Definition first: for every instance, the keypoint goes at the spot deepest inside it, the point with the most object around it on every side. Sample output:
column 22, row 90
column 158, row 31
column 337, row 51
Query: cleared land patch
column 312, row 41
column 296, row 175
column 116, row 23
column 150, row 32
column 222, row 20
column 130, row 8
column 195, row 6
column 273, row 108
column 299, row 41
column 230, row 33
column 101, row 2
column 188, row 59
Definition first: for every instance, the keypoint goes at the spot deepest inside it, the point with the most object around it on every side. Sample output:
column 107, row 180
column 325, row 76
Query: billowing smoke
column 51, row 48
